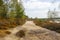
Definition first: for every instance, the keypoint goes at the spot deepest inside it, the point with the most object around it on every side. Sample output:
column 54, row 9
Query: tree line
column 12, row 11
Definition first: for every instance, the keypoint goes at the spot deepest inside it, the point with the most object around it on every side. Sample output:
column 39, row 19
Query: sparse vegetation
column 49, row 25
column 20, row 34
column 4, row 33
column 11, row 15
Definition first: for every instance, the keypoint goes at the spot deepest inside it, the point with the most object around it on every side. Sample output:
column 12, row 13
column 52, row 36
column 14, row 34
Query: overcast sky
column 39, row 8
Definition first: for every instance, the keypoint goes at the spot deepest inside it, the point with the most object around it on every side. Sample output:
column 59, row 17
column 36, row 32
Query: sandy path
column 34, row 33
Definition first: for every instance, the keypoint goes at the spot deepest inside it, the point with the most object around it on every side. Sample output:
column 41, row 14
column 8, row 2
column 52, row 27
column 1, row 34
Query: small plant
column 8, row 32
column 21, row 33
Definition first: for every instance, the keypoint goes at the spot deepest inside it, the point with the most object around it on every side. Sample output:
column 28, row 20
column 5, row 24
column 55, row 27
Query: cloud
column 39, row 14
column 38, row 8
column 38, row 4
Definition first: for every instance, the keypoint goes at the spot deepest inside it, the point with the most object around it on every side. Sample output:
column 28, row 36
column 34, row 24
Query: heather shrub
column 49, row 25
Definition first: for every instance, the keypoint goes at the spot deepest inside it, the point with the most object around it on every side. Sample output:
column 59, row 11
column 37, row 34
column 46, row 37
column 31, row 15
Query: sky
column 39, row 8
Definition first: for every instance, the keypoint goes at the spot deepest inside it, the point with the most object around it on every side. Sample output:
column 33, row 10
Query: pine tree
column 3, row 9
column 19, row 11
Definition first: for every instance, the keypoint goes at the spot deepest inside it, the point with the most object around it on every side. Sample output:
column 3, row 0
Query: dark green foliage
column 3, row 9
column 1, row 2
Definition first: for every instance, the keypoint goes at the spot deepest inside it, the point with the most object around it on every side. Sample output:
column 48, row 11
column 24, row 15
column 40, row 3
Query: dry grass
column 21, row 33
column 4, row 33
column 6, row 24
column 49, row 25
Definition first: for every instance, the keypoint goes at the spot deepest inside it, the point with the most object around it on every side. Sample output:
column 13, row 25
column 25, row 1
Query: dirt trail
column 33, row 33
column 39, row 33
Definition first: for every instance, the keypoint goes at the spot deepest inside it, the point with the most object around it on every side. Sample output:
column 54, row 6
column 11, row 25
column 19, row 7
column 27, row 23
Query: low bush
column 20, row 34
column 49, row 25
column 8, row 23
column 7, row 32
